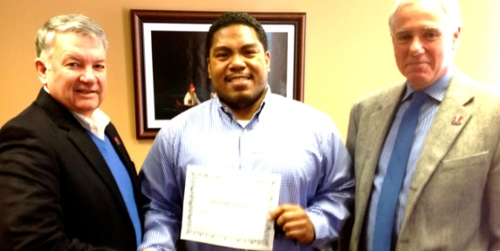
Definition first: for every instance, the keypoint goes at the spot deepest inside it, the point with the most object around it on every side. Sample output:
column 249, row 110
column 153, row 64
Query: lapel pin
column 117, row 140
column 457, row 120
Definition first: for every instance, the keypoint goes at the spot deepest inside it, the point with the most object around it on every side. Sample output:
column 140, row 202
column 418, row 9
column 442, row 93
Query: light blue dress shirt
column 428, row 112
column 284, row 137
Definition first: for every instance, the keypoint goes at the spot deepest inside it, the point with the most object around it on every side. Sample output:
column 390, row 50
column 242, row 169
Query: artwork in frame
column 170, row 56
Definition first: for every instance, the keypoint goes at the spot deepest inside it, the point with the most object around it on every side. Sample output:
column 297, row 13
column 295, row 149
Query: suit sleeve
column 345, row 235
column 493, row 195
column 30, row 211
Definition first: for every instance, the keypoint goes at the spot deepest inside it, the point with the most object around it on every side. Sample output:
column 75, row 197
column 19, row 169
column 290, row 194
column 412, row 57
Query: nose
column 88, row 75
column 237, row 62
column 416, row 47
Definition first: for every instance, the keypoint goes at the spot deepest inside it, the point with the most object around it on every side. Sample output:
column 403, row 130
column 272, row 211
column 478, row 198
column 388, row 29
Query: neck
column 246, row 113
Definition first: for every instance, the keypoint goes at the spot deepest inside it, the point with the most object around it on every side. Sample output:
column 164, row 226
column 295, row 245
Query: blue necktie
column 393, row 180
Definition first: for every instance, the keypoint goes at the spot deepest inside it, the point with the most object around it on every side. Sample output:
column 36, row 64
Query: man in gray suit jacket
column 66, row 180
column 449, row 197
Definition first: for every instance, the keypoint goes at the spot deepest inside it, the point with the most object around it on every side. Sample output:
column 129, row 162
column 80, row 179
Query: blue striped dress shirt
column 284, row 137
column 428, row 112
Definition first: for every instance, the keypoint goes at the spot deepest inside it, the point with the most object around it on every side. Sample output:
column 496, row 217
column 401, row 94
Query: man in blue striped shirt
column 248, row 128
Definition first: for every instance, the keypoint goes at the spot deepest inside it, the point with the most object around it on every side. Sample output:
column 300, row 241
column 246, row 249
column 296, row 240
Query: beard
column 240, row 101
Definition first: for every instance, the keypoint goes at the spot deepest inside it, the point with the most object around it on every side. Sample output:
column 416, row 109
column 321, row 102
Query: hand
column 295, row 222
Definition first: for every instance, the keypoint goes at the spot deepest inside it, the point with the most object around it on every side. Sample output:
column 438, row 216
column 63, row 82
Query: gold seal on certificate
column 229, row 207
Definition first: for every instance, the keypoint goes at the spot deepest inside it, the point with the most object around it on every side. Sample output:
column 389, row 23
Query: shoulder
column 198, row 112
column 291, row 107
column 31, row 117
column 195, row 116
column 296, row 115
column 375, row 96
column 464, row 88
column 382, row 98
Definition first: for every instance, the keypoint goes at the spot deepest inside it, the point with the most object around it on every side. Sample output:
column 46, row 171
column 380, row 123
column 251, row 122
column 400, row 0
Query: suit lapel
column 117, row 143
column 89, row 150
column 440, row 139
column 81, row 140
column 380, row 122
column 371, row 139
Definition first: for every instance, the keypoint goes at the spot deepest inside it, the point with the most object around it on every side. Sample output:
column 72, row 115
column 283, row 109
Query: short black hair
column 231, row 18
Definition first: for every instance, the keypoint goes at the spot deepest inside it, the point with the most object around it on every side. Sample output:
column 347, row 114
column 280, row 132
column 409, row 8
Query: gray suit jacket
column 454, row 197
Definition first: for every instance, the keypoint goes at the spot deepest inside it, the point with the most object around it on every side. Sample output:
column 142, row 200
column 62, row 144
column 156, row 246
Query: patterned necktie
column 393, row 180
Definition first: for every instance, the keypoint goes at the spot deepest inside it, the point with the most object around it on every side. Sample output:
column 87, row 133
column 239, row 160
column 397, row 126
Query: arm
column 31, row 216
column 493, row 195
column 195, row 99
column 327, row 207
column 163, row 201
column 331, row 206
column 352, row 130
column 187, row 99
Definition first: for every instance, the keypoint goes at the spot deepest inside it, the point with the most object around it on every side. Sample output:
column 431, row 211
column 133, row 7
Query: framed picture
column 170, row 58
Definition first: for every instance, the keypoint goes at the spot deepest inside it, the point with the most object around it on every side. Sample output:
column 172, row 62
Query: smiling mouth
column 416, row 63
column 86, row 92
column 237, row 79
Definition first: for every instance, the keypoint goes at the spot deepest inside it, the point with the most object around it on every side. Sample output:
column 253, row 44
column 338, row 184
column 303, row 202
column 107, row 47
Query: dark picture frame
column 169, row 56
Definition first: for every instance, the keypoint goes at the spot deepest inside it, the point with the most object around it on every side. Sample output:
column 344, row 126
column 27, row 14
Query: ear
column 41, row 70
column 268, row 61
column 208, row 67
column 456, row 35
column 456, row 38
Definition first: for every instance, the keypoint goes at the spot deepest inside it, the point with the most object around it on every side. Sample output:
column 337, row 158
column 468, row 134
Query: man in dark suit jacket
column 66, row 179
column 449, row 197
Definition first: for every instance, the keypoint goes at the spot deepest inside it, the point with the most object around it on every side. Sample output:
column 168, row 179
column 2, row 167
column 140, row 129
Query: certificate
column 229, row 207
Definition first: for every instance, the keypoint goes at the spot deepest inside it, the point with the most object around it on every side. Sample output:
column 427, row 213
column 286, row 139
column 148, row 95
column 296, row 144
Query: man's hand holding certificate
column 294, row 222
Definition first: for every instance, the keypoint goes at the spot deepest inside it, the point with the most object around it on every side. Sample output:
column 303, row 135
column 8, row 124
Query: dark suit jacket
column 56, row 190
column 454, row 197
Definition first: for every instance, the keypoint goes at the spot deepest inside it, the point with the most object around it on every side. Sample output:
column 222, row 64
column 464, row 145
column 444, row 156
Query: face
column 74, row 71
column 238, row 67
column 424, row 43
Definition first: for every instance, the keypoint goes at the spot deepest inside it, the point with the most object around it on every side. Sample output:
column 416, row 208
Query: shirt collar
column 437, row 90
column 96, row 123
column 256, row 115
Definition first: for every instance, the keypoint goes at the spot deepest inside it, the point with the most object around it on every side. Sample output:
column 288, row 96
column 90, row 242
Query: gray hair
column 450, row 7
column 76, row 23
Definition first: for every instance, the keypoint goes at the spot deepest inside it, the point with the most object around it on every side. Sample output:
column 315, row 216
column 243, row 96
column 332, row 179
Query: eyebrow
column 246, row 46
column 77, row 58
column 424, row 28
